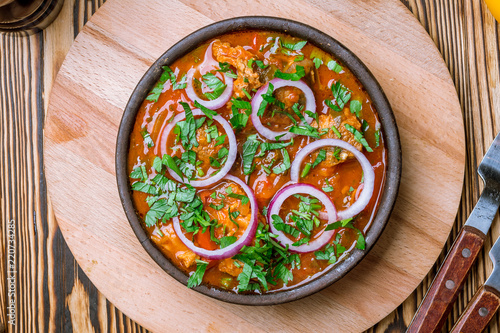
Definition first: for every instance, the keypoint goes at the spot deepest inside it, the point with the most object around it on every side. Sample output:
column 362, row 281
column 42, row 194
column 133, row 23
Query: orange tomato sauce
column 345, row 178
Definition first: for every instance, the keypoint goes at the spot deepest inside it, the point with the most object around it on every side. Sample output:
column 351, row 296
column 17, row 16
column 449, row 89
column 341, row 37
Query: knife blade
column 449, row 281
column 485, row 302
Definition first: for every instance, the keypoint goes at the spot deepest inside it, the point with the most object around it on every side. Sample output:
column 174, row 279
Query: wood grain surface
column 53, row 293
column 104, row 65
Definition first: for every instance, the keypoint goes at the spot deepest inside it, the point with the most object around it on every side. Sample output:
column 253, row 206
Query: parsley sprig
column 155, row 93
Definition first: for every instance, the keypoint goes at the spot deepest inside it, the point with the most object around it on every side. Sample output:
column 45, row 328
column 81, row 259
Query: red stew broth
column 345, row 178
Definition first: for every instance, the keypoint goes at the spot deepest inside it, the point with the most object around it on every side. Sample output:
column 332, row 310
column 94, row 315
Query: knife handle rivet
column 466, row 253
column 450, row 284
column 483, row 312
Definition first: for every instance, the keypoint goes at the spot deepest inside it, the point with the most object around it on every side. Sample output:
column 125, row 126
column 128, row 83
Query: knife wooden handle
column 449, row 281
column 479, row 312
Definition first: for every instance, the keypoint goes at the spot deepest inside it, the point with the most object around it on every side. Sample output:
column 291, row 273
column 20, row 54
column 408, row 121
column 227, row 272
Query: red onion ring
column 231, row 157
column 279, row 83
column 369, row 174
column 209, row 64
column 274, row 208
column 234, row 248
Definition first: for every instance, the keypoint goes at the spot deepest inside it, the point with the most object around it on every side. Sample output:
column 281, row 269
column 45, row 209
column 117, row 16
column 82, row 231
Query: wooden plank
column 463, row 31
column 87, row 100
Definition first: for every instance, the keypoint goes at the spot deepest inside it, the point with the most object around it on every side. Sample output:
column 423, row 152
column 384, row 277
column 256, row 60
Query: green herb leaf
column 196, row 278
column 320, row 158
column 327, row 188
column 285, row 164
column 358, row 136
column 215, row 84
column 306, row 170
column 244, row 199
column 137, row 173
column 377, row 138
column 249, row 150
column 265, row 146
column 299, row 74
column 170, row 163
column 265, row 98
column 144, row 187
column 223, row 152
column 294, row 46
column 209, row 113
column 334, row 66
column 147, row 138
column 282, row 226
column 241, row 104
column 355, row 107
column 337, row 132
column 317, row 62
column 302, row 130
column 227, row 240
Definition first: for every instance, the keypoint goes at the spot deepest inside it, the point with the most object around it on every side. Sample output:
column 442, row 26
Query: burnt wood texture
column 53, row 293
column 479, row 311
column 448, row 283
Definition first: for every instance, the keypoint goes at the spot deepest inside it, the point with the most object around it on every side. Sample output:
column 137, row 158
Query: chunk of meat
column 228, row 266
column 187, row 258
column 287, row 64
column 327, row 121
column 288, row 95
column 222, row 215
column 206, row 149
column 238, row 57
column 169, row 240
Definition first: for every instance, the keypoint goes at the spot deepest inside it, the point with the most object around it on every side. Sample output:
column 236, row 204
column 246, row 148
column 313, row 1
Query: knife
column 450, row 279
column 485, row 302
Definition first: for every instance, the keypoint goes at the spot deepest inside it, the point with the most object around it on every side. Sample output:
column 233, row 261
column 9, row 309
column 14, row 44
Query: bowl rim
column 347, row 58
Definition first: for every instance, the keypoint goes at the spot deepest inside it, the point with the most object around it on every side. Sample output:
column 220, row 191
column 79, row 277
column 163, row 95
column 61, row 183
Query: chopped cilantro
column 226, row 241
column 209, row 113
column 320, row 158
column 265, row 99
column 223, row 152
column 285, row 164
column 225, row 68
column 147, row 138
column 327, row 188
column 144, row 187
column 157, row 164
column 155, row 93
column 246, row 93
column 359, row 137
column 299, row 74
column 260, row 64
column 355, row 107
column 196, row 278
column 306, row 170
column 317, row 62
column 215, row 84
column 249, row 150
column 294, row 46
column 334, row 66
column 233, row 216
column 336, row 131
column 244, row 199
column 341, row 95
column 170, row 163
column 302, row 130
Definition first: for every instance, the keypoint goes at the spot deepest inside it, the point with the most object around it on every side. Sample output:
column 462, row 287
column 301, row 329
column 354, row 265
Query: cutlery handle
column 449, row 281
column 479, row 311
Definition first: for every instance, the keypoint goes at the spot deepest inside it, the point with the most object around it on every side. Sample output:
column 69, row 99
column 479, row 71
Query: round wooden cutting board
column 105, row 63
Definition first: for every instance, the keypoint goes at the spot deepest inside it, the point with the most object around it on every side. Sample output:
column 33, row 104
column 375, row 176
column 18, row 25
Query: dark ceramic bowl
column 323, row 41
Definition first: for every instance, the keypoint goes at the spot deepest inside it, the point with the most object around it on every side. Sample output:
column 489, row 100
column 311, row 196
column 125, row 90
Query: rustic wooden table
column 54, row 295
